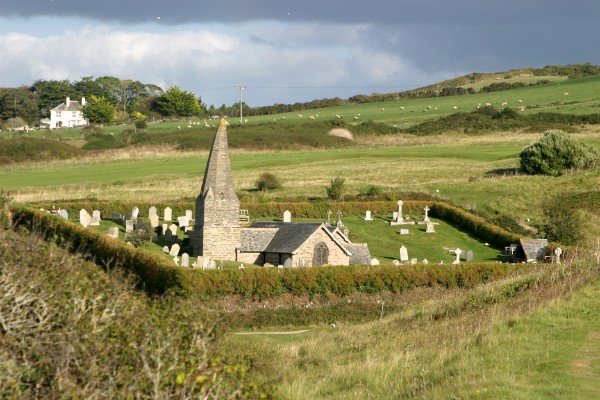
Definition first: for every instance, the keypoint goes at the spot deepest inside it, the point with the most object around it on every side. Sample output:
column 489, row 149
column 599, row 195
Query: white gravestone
column 168, row 214
column 84, row 218
column 458, row 252
column 113, row 232
column 413, row 261
column 173, row 229
column 403, row 254
column 426, row 218
column 64, row 214
column 470, row 255
column 129, row 226
column 166, row 249
column 399, row 220
column 174, row 250
column 287, row 216
column 188, row 214
column 183, row 221
column 404, row 231
column 368, row 216
column 374, row 261
column 430, row 227
column 95, row 221
column 135, row 212
column 425, row 261
column 185, row 260
column 152, row 212
column 154, row 221
column 176, row 260
column 165, row 228
column 558, row 252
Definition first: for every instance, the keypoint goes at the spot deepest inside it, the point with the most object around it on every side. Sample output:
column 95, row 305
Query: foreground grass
column 525, row 337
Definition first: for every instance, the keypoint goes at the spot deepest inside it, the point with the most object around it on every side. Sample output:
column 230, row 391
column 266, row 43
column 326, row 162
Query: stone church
column 219, row 235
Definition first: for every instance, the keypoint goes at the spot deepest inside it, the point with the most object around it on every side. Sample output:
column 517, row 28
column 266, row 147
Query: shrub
column 555, row 153
column 336, row 188
column 141, row 124
column 562, row 222
column 267, row 181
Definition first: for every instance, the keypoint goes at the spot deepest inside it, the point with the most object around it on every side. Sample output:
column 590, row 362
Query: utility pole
column 241, row 89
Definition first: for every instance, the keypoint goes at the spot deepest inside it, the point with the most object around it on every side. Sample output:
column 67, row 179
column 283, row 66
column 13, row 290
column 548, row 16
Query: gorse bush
column 555, row 153
column 267, row 181
column 336, row 189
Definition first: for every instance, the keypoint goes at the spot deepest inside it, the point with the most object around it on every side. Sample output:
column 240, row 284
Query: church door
column 320, row 255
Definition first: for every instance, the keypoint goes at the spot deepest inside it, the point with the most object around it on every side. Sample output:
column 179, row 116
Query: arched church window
column 320, row 255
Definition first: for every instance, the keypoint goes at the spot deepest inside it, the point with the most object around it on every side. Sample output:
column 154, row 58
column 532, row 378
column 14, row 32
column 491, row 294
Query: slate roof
column 360, row 253
column 289, row 236
column 534, row 249
column 73, row 106
column 254, row 240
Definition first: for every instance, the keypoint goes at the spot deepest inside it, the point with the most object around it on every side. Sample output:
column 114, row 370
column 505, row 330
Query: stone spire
column 217, row 229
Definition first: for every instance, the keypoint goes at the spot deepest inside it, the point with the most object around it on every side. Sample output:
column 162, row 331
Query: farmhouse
column 218, row 234
column 68, row 114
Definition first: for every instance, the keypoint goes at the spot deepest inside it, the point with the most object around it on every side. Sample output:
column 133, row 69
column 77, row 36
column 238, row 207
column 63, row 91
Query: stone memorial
column 165, row 228
column 374, row 261
column 425, row 261
column 287, row 216
column 152, row 212
column 154, row 221
column 117, row 217
column 457, row 252
column 413, row 261
column 329, row 213
column 166, row 249
column 174, row 250
column 558, row 252
column 63, row 214
column 113, row 232
column 469, row 255
column 176, row 260
column 185, row 260
column 368, row 216
column 426, row 218
column 168, row 216
column 189, row 214
column 430, row 227
column 403, row 254
column 135, row 212
column 404, row 231
column 173, row 229
column 84, row 218
column 399, row 219
column 129, row 226
column 183, row 221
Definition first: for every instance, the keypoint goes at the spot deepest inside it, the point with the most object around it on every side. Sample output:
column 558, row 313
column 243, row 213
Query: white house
column 68, row 114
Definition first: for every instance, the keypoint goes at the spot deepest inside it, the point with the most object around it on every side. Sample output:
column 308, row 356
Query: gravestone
column 113, row 232
column 213, row 264
column 84, row 218
column 129, row 226
column 396, row 263
column 206, row 263
column 558, row 252
column 173, row 229
column 403, row 254
column 426, row 218
column 117, row 217
column 287, row 216
column 394, row 216
column 63, row 214
column 368, row 216
column 166, row 249
column 185, row 260
column 399, row 219
column 329, row 213
column 404, row 231
column 425, row 261
column 413, row 261
column 457, row 252
column 95, row 220
column 339, row 218
column 374, row 261
column 174, row 250
column 176, row 260
column 168, row 214
column 135, row 212
column 154, row 221
column 189, row 214
column 183, row 221
column 430, row 228
column 469, row 255
column 152, row 212
column 165, row 228
column 127, row 216
column 96, row 214
column 139, row 223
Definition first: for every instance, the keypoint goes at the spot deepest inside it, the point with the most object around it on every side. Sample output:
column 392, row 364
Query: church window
column 320, row 255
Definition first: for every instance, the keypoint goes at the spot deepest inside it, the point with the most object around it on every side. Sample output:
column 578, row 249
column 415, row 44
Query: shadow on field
column 502, row 172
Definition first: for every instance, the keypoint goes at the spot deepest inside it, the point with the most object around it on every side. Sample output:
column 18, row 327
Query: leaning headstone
column 129, row 226
column 63, row 214
column 154, row 221
column 206, row 263
column 174, row 250
column 135, row 212
column 403, row 254
column 368, row 216
column 404, row 231
column 374, row 261
column 469, row 255
column 189, row 214
column 168, row 214
column 430, row 228
column 287, row 216
column 185, row 260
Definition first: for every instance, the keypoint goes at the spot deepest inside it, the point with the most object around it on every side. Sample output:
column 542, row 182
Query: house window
column 74, row 114
column 320, row 255
column 58, row 113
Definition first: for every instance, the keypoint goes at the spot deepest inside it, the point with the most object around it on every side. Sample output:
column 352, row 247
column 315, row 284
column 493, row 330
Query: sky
column 286, row 51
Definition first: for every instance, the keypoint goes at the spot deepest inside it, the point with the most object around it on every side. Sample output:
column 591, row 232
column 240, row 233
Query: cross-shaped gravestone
column 426, row 219
column 339, row 217
column 458, row 253
column 329, row 212
column 176, row 260
column 558, row 252
column 400, row 218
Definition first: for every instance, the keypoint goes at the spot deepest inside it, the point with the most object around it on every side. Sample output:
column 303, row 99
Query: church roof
column 360, row 253
column 289, row 236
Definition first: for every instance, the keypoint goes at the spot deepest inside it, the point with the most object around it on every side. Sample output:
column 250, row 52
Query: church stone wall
column 337, row 256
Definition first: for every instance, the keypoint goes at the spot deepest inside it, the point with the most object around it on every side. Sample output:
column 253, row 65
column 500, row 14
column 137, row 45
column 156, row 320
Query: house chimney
column 83, row 101
column 68, row 101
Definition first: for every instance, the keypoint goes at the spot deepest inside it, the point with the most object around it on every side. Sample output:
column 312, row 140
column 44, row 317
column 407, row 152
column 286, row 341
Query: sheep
column 355, row 118
column 566, row 94
column 382, row 109
column 178, row 127
column 402, row 108
column 455, row 108
column 299, row 115
column 189, row 126
column 338, row 116
column 520, row 101
column 504, row 104
column 488, row 104
column 311, row 117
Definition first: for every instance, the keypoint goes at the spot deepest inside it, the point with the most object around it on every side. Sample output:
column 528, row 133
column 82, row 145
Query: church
column 219, row 235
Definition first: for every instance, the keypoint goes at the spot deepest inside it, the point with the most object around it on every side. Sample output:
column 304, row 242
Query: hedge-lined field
column 158, row 275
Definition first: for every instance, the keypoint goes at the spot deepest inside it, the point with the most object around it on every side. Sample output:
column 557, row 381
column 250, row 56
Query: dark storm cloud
column 388, row 12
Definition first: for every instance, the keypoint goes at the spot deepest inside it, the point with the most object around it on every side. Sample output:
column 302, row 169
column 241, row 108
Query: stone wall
column 337, row 256
column 250, row 258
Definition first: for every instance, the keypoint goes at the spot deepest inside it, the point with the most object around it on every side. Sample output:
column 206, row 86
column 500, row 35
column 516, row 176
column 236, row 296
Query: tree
column 177, row 102
column 556, row 152
column 52, row 93
column 267, row 181
column 336, row 189
column 19, row 102
column 562, row 222
column 99, row 110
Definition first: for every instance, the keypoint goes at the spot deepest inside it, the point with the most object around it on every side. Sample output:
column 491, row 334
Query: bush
column 267, row 181
column 563, row 223
column 555, row 153
column 336, row 188
column 141, row 124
